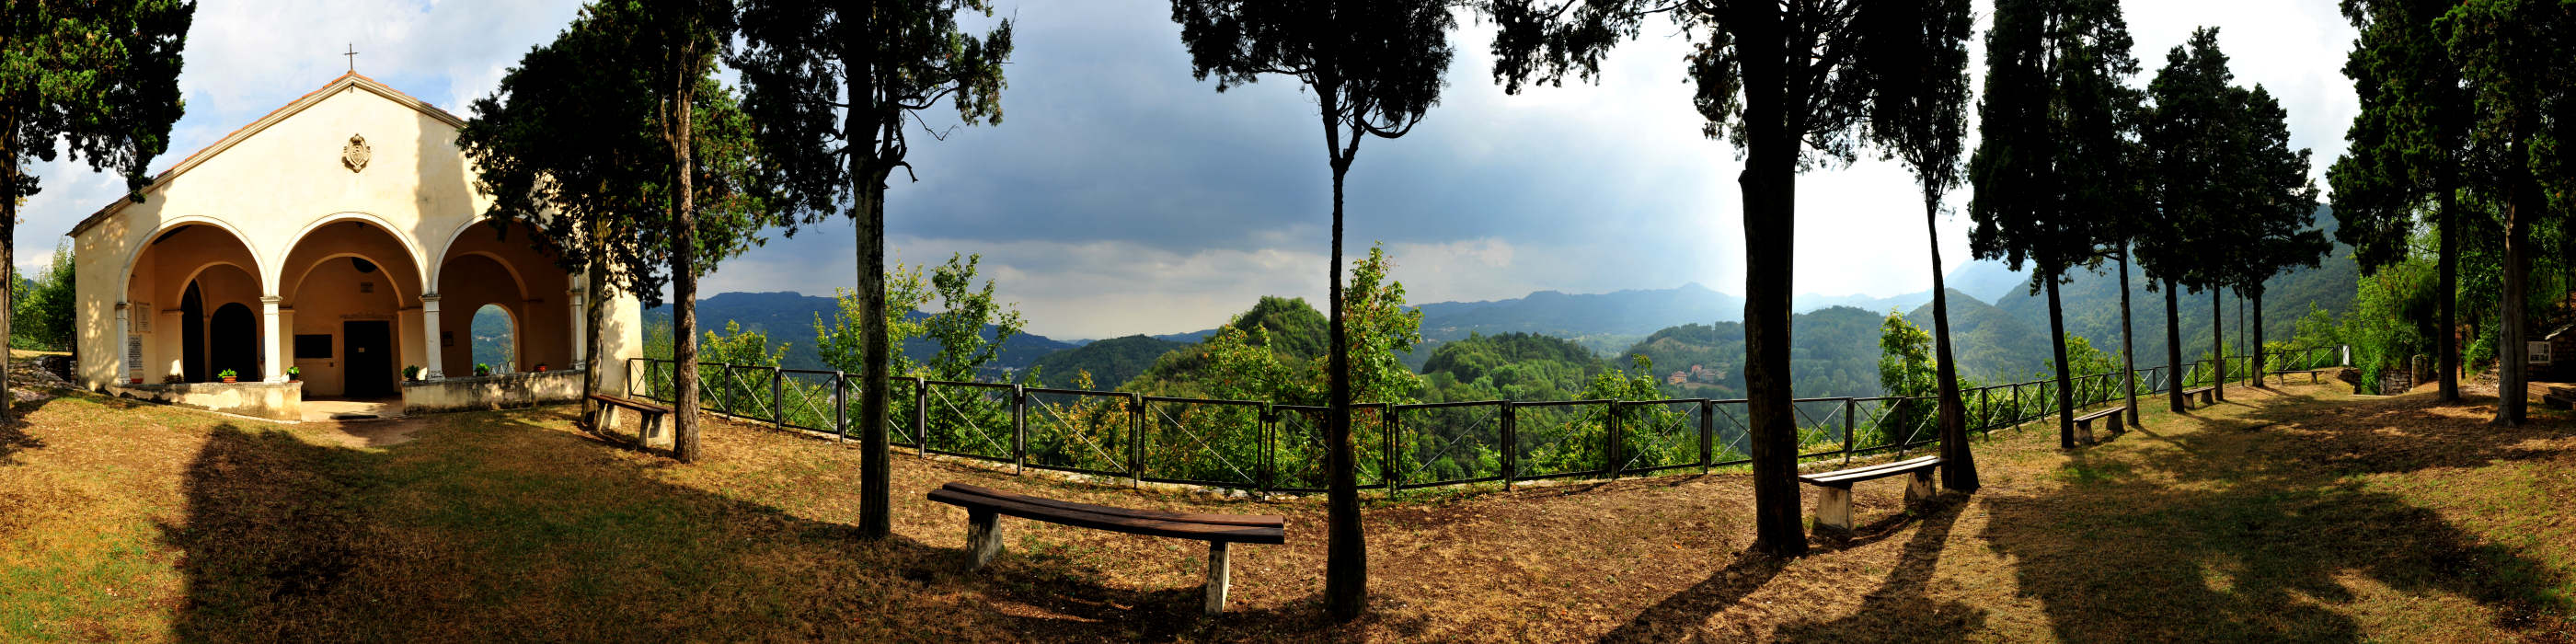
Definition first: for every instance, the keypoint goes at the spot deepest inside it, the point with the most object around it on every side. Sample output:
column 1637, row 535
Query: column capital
column 271, row 300
column 431, row 296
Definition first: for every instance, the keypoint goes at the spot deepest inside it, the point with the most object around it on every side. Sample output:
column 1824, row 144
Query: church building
column 340, row 235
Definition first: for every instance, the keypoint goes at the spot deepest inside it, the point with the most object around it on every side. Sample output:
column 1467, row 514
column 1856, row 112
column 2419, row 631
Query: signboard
column 2539, row 352
column 134, row 354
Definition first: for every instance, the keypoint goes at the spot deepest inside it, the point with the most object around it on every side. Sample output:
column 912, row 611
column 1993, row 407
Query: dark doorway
column 368, row 347
column 192, row 336
column 232, row 342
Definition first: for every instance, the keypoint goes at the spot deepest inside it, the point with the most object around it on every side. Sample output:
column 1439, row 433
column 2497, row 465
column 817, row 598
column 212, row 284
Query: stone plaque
column 356, row 154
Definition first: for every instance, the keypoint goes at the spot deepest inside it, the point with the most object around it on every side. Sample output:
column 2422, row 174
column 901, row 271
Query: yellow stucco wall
column 282, row 188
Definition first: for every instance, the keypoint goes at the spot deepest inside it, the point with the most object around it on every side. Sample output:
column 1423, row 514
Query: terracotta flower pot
column 228, row 380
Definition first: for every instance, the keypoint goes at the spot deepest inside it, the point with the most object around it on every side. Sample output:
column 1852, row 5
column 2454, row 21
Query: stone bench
column 651, row 428
column 2084, row 423
column 985, row 506
column 2315, row 376
column 2207, row 395
column 1833, row 508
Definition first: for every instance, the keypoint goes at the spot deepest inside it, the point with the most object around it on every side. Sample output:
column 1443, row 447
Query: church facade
column 340, row 235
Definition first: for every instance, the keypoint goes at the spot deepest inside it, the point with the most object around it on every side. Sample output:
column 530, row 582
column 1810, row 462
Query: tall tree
column 2048, row 165
column 2189, row 244
column 830, row 85
column 98, row 79
column 642, row 175
column 2275, row 205
column 2405, row 152
column 1921, row 118
column 1786, row 84
column 1375, row 68
column 2518, row 64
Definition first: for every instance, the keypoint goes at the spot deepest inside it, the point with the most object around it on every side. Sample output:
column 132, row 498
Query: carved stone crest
column 356, row 154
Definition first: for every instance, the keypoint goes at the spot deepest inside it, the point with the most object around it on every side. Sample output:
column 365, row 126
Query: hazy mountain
column 789, row 317
column 1110, row 362
column 1631, row 312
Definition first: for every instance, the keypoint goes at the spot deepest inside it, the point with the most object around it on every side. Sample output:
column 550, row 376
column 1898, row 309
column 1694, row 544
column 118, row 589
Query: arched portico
column 172, row 287
column 351, row 295
column 503, row 266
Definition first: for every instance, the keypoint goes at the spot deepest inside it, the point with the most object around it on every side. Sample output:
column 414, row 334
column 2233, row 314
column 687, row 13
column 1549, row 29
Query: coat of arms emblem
column 356, row 154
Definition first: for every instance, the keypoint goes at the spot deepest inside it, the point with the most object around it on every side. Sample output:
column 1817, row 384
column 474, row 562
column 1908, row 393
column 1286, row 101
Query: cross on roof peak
column 353, row 57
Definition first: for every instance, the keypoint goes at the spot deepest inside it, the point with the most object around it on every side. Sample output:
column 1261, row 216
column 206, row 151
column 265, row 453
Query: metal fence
column 1263, row 447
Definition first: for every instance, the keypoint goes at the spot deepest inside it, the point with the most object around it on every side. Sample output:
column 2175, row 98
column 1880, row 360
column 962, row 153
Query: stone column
column 580, row 319
column 275, row 367
column 429, row 369
column 124, row 346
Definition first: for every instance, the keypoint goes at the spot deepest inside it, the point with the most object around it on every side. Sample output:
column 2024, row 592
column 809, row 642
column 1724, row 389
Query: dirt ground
column 2301, row 513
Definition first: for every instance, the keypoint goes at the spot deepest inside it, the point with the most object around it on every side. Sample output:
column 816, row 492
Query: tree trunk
column 594, row 282
column 2173, row 349
column 2446, row 344
column 2218, row 342
column 876, row 380
column 1959, row 464
column 9, row 267
column 684, row 278
column 2512, row 355
column 1346, row 545
column 2128, row 343
column 2065, row 380
column 1769, row 183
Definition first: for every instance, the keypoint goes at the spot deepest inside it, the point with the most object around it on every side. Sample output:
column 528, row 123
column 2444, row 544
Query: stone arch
column 125, row 276
column 411, row 246
column 511, row 270
column 447, row 250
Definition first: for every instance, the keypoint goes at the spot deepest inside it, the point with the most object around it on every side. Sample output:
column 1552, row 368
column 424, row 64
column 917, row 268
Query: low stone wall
column 523, row 389
column 271, row 400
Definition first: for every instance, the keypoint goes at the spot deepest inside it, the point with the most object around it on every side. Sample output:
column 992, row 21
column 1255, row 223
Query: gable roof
column 297, row 106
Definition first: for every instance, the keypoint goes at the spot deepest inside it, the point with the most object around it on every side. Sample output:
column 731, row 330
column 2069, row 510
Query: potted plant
column 481, row 369
column 411, row 372
column 541, row 367
column 226, row 374
column 294, row 374
column 171, row 379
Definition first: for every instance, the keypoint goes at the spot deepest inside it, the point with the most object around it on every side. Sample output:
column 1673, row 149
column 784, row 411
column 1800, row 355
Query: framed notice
column 133, row 354
column 2539, row 351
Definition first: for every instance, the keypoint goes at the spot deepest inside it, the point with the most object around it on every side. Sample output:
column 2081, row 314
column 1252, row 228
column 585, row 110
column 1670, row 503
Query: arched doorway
column 496, row 340
column 350, row 292
column 232, row 342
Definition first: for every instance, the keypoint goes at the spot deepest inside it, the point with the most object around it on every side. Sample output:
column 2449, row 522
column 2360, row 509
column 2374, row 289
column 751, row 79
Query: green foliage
column 1904, row 358
column 2053, row 154
column 1511, row 366
column 970, row 329
column 41, row 316
column 1245, row 360
column 738, row 347
column 2406, row 144
column 1110, row 362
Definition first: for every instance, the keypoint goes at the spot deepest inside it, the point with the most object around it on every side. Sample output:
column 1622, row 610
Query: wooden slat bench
column 2084, row 423
column 985, row 506
column 2315, row 376
column 2206, row 395
column 1833, row 508
column 650, row 428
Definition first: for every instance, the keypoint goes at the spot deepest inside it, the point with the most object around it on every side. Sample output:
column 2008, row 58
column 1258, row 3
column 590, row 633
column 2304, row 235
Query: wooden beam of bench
column 1109, row 522
column 1844, row 478
column 1248, row 520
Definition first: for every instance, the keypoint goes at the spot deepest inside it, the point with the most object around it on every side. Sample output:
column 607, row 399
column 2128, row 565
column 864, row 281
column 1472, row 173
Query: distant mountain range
column 2000, row 328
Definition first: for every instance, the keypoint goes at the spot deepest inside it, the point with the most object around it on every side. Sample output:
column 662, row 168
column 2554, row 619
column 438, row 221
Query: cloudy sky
column 1121, row 196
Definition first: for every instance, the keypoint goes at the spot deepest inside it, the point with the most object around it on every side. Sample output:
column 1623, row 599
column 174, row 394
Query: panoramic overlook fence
column 1262, row 447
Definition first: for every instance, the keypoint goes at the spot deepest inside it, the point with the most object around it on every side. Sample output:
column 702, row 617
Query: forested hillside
column 1834, row 353
column 789, row 318
column 1110, row 362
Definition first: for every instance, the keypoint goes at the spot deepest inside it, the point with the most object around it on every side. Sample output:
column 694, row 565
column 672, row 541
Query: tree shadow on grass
column 1901, row 608
column 493, row 527
column 2261, row 536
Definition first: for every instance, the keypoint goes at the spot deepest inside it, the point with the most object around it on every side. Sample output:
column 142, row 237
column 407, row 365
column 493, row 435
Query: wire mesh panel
column 805, row 399
column 1658, row 435
column 1731, row 422
column 970, row 419
column 1202, row 442
column 1561, row 439
column 1821, row 423
column 746, row 390
column 1448, row 443
column 1091, row 432
column 1895, row 423
column 649, row 379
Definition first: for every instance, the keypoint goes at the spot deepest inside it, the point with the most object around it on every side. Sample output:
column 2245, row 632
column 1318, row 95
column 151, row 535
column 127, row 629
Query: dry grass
column 2296, row 514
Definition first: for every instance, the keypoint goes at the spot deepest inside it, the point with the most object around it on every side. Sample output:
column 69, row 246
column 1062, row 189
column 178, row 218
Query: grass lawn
column 2302, row 513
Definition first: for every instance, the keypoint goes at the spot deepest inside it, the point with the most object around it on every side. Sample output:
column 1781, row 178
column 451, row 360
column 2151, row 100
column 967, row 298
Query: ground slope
column 2304, row 514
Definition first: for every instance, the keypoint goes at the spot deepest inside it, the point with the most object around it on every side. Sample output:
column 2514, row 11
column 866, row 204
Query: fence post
column 1394, row 473
column 1707, row 433
column 1847, row 431
column 1269, row 448
column 1610, row 429
column 1019, row 430
column 778, row 397
column 1135, row 440
column 841, row 406
column 920, row 415
column 1511, row 443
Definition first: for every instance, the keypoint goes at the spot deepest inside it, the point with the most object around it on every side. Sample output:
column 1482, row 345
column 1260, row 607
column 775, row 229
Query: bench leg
column 657, row 431
column 1220, row 575
column 1918, row 487
column 983, row 535
column 1833, row 508
column 2084, row 431
column 606, row 421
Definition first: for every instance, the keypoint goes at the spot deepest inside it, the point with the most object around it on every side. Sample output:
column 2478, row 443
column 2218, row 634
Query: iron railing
column 1264, row 447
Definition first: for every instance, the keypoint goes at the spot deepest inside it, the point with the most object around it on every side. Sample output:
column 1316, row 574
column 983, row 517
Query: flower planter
column 228, row 381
